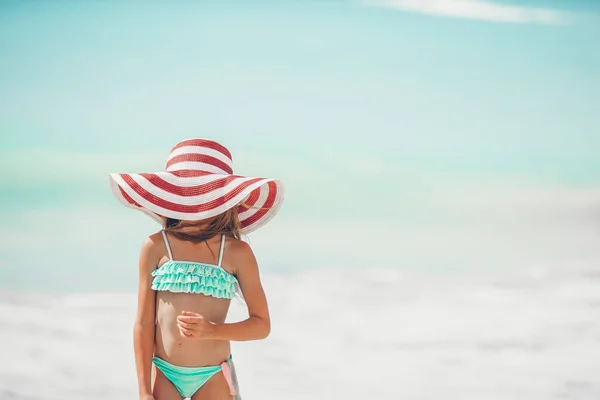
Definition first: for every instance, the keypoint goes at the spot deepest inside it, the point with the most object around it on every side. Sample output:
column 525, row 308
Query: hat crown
column 200, row 155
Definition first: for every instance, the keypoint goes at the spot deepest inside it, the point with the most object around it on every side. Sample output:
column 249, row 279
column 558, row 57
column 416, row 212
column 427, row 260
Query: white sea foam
column 350, row 334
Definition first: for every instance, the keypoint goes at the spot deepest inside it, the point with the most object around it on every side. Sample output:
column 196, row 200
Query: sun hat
column 198, row 183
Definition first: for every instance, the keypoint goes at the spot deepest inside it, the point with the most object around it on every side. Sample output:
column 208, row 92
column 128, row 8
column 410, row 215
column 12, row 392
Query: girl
column 191, row 269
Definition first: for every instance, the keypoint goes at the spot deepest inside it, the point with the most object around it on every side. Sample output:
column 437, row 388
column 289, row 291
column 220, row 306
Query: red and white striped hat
column 198, row 183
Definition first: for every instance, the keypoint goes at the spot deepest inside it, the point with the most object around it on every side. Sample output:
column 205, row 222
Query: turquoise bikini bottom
column 188, row 380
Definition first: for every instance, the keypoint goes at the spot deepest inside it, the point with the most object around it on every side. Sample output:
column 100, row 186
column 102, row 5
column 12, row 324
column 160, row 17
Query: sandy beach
column 352, row 334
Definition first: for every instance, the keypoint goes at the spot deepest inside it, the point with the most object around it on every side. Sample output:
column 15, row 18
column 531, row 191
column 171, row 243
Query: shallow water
column 352, row 334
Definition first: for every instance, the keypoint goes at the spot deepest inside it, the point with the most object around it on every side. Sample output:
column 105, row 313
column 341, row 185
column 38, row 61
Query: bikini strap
column 164, row 234
column 221, row 250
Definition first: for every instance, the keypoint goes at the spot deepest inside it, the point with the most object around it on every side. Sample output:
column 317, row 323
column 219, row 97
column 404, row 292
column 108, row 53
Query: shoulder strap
column 221, row 250
column 164, row 234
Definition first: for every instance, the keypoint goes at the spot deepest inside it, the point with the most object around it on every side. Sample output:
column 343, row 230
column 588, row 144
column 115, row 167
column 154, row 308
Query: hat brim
column 195, row 195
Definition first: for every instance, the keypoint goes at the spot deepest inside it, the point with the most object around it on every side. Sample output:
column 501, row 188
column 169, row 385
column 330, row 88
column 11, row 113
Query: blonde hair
column 226, row 223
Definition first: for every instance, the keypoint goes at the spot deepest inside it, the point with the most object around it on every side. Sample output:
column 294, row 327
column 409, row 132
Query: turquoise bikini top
column 194, row 277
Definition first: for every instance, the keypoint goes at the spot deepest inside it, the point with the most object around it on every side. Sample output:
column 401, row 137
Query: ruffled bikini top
column 194, row 277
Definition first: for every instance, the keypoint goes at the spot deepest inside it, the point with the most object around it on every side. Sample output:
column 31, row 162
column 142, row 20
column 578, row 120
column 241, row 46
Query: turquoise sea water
column 406, row 141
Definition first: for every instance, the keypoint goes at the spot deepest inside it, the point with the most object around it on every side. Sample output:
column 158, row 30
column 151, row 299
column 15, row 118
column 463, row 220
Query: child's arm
column 256, row 326
column 143, row 331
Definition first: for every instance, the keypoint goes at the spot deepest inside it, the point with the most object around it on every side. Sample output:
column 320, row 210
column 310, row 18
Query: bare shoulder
column 153, row 242
column 239, row 253
column 238, row 248
column 152, row 250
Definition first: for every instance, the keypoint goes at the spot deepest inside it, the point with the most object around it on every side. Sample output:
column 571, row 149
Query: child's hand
column 194, row 326
column 147, row 397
